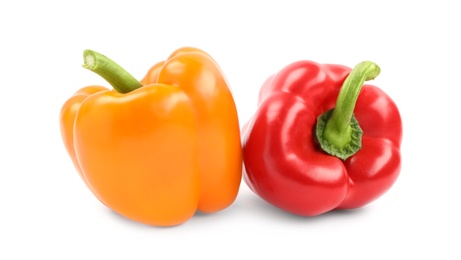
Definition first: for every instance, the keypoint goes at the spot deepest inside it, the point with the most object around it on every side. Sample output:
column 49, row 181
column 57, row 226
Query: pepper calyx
column 344, row 152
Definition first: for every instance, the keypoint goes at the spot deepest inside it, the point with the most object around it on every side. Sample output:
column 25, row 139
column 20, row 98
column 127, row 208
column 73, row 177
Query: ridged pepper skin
column 284, row 163
column 159, row 153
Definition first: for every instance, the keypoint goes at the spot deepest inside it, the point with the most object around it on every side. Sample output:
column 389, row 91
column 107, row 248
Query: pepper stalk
column 338, row 131
column 114, row 74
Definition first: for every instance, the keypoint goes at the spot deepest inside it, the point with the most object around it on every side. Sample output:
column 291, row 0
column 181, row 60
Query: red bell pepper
column 321, row 139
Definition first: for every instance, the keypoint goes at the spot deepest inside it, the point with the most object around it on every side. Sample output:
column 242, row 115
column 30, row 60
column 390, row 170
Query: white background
column 46, row 212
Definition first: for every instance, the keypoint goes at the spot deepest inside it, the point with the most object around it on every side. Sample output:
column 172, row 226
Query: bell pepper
column 156, row 150
column 321, row 139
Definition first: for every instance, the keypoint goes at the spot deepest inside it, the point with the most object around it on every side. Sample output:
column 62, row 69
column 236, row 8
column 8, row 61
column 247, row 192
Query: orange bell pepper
column 159, row 149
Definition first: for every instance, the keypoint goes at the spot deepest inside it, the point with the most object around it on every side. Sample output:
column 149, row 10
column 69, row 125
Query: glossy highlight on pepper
column 159, row 149
column 321, row 139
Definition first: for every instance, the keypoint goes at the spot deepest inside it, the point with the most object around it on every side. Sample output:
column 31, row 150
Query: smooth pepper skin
column 161, row 152
column 283, row 162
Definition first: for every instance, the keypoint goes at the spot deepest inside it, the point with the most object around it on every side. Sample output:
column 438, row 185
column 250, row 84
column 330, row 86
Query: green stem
column 339, row 134
column 114, row 74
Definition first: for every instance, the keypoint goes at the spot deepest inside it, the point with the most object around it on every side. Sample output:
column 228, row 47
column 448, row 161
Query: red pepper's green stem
column 339, row 134
column 119, row 78
column 338, row 129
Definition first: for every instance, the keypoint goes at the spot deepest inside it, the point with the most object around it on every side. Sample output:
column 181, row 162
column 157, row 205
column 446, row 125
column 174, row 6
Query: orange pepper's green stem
column 338, row 132
column 114, row 74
